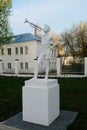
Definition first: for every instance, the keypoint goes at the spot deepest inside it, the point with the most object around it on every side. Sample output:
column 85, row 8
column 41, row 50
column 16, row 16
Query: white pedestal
column 41, row 101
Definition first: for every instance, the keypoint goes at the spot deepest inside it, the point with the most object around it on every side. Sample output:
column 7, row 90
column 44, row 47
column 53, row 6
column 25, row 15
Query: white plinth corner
column 41, row 101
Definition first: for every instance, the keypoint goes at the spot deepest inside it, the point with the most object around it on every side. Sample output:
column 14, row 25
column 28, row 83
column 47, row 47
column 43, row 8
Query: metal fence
column 73, row 67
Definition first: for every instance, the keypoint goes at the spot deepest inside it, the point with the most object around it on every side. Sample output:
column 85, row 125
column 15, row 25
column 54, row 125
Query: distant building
column 18, row 56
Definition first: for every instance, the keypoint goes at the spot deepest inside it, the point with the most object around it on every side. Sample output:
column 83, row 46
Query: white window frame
column 21, row 50
column 9, row 65
column 21, row 65
column 2, row 51
column 26, row 50
column 9, row 51
column 26, row 65
column 16, row 50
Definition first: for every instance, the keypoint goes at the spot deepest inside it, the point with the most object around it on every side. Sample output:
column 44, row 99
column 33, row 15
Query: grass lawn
column 10, row 96
column 73, row 97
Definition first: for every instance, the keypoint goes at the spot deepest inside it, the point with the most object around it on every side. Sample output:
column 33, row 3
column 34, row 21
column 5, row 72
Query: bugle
column 33, row 25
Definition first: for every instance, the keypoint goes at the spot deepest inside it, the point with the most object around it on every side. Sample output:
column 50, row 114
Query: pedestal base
column 41, row 101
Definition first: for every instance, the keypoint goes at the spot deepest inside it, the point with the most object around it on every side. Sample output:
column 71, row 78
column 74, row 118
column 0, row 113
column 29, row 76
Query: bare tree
column 60, row 46
column 75, row 40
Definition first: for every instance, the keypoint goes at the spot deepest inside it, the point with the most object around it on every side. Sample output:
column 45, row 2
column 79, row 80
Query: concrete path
column 50, row 75
column 6, row 127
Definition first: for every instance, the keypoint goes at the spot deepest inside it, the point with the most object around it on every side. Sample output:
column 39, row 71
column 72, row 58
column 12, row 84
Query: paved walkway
column 50, row 75
column 61, row 123
column 6, row 127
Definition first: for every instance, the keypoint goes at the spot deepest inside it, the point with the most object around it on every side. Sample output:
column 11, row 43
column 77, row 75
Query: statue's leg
column 47, row 69
column 40, row 59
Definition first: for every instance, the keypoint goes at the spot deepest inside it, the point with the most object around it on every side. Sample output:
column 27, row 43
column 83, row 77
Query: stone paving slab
column 50, row 75
column 61, row 123
column 6, row 127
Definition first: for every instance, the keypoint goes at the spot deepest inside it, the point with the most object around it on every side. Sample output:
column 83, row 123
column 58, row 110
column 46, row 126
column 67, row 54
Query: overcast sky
column 58, row 14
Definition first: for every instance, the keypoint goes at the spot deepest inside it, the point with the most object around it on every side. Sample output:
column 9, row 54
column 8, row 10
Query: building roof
column 24, row 37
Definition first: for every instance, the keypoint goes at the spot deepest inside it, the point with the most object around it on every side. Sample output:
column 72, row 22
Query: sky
column 58, row 14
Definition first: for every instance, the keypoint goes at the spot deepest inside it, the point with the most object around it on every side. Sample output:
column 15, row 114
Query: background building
column 18, row 56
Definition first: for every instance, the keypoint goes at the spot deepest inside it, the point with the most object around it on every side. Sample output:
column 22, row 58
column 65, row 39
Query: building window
column 26, row 65
column 52, row 65
column 54, row 52
column 26, row 50
column 9, row 51
column 3, row 66
column 9, row 65
column 21, row 65
column 55, row 65
column 16, row 50
column 2, row 51
column 21, row 50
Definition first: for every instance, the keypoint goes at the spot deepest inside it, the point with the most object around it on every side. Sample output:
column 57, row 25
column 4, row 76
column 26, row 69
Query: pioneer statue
column 47, row 43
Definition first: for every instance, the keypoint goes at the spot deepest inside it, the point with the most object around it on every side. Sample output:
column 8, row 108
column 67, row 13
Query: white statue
column 47, row 42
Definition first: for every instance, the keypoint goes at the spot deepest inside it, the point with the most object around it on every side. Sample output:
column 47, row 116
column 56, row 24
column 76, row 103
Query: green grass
column 73, row 93
column 10, row 96
column 73, row 97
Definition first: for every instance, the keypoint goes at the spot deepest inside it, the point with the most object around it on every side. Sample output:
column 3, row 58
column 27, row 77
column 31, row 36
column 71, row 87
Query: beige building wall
column 28, row 56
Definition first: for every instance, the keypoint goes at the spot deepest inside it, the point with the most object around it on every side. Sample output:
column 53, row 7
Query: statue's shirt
column 45, row 42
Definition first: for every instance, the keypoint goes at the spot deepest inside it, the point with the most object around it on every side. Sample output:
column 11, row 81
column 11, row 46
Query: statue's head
column 46, row 28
